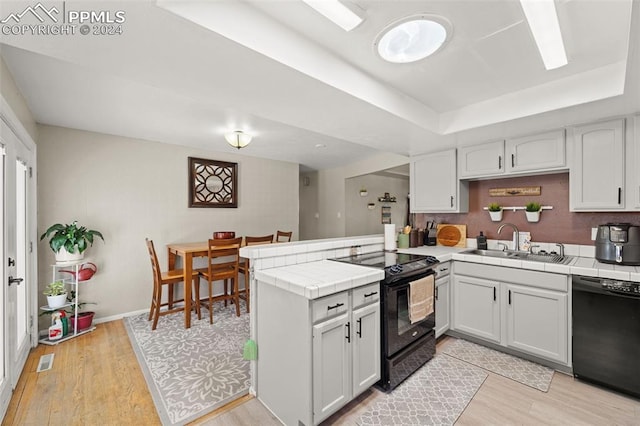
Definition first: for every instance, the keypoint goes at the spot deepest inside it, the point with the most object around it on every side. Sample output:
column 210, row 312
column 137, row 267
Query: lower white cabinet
column 443, row 298
column 476, row 307
column 520, row 309
column 536, row 321
column 314, row 356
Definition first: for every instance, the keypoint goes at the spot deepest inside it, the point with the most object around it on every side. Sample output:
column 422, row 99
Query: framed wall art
column 212, row 183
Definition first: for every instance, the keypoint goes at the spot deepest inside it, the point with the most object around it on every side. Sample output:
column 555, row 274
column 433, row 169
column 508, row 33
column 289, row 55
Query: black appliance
column 618, row 243
column 606, row 333
column 405, row 346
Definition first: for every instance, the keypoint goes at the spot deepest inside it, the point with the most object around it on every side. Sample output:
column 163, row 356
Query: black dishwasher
column 606, row 333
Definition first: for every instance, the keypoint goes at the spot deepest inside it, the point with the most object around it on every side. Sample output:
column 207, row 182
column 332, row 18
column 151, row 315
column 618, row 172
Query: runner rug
column 191, row 372
column 436, row 394
column 518, row 369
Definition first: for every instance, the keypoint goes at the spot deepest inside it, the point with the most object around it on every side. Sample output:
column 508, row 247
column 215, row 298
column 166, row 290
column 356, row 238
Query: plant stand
column 73, row 283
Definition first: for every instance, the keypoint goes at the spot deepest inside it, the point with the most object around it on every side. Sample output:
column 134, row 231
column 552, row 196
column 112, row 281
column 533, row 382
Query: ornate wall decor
column 522, row 190
column 212, row 183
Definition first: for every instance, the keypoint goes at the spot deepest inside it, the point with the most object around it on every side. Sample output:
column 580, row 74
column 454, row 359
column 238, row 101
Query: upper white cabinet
column 482, row 160
column 434, row 185
column 536, row 152
column 597, row 173
column 531, row 154
column 633, row 160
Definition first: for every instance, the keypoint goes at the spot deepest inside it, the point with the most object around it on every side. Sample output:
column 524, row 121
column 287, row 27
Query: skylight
column 412, row 38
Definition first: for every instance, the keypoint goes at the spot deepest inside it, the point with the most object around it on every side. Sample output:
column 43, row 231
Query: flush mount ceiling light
column 238, row 138
column 412, row 38
column 543, row 21
column 346, row 17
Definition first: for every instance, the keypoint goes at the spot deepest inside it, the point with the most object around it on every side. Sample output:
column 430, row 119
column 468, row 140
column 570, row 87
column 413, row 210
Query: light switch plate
column 594, row 233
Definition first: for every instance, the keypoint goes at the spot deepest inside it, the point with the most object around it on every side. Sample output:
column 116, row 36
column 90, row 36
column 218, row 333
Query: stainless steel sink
column 523, row 255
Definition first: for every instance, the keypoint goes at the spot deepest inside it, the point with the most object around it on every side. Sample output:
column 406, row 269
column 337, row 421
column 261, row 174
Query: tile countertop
column 317, row 279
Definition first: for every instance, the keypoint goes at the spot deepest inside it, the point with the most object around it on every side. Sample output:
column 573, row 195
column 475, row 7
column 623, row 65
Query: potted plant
column 495, row 211
column 532, row 210
column 69, row 241
column 363, row 192
column 56, row 293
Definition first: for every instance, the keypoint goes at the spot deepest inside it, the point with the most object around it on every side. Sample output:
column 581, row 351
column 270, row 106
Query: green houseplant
column 532, row 210
column 69, row 241
column 495, row 211
column 56, row 293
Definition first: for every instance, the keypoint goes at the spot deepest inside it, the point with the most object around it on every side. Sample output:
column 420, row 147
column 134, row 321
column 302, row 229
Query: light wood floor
column 96, row 380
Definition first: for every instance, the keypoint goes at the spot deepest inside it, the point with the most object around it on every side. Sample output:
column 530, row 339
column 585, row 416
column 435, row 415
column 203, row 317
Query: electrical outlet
column 594, row 233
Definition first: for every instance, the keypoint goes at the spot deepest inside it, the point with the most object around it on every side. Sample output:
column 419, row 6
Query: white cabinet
column 520, row 309
column 481, row 160
column 597, row 173
column 532, row 310
column 537, row 152
column 316, row 355
column 443, row 298
column 633, row 171
column 434, row 185
column 476, row 307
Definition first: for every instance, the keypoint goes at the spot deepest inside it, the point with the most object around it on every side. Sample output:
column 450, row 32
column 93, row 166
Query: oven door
column 398, row 332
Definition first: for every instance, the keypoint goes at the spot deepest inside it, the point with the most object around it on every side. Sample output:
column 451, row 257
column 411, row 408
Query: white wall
column 15, row 100
column 131, row 189
column 359, row 220
column 308, row 205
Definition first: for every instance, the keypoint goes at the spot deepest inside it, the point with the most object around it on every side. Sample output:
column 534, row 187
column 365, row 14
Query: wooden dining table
column 187, row 251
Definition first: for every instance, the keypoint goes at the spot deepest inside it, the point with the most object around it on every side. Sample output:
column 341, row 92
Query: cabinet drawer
column 366, row 294
column 443, row 269
column 330, row 306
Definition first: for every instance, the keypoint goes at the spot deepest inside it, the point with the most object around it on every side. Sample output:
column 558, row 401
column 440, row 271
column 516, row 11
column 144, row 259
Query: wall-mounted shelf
column 515, row 208
column 387, row 198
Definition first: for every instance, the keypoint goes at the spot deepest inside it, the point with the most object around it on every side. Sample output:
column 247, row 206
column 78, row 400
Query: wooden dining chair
column 223, row 259
column 166, row 279
column 244, row 264
column 283, row 237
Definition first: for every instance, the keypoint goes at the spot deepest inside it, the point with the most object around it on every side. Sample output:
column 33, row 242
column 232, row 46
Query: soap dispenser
column 481, row 241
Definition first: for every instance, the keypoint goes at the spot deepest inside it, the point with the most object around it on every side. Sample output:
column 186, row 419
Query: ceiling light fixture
column 412, row 38
column 238, row 138
column 346, row 17
column 543, row 21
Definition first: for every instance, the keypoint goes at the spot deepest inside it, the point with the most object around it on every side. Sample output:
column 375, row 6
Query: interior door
column 19, row 283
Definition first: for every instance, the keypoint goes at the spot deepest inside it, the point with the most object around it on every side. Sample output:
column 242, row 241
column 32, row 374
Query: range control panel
column 622, row 287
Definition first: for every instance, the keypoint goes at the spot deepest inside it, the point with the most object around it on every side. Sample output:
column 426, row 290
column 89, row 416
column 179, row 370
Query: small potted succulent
column 495, row 211
column 532, row 210
column 69, row 241
column 56, row 293
column 363, row 192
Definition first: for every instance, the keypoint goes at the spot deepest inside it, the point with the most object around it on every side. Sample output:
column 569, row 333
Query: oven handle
column 404, row 281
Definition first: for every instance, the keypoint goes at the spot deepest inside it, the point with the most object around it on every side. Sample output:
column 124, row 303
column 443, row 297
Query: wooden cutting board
column 451, row 235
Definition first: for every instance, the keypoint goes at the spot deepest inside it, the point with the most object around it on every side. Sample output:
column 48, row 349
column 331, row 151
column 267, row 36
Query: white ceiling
column 185, row 72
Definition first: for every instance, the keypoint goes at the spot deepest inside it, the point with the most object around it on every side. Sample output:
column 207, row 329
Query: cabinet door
column 476, row 307
column 442, row 305
column 597, row 172
column 537, row 322
column 433, row 182
column 633, row 169
column 331, row 366
column 486, row 159
column 536, row 152
column 366, row 348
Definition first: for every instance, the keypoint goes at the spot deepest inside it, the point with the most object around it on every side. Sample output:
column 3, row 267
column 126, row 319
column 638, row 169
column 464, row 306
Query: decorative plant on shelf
column 495, row 211
column 363, row 192
column 69, row 241
column 532, row 210
column 56, row 293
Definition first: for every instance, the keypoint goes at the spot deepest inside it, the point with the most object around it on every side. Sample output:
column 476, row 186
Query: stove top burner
column 394, row 264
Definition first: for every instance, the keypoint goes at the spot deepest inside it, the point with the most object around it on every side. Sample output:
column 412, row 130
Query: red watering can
column 85, row 272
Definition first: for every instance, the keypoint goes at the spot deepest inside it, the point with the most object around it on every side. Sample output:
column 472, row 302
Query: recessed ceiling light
column 543, row 21
column 337, row 12
column 412, row 38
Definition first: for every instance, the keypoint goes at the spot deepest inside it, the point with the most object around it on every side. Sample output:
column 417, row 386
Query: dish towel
column 421, row 298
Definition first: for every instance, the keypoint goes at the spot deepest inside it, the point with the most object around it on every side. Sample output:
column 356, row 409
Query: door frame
column 10, row 119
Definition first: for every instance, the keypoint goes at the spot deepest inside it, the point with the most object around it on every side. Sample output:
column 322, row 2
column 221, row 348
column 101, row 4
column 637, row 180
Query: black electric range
column 396, row 265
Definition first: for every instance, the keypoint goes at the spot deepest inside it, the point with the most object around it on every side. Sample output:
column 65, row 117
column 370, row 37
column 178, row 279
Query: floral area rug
column 436, row 394
column 518, row 369
column 191, row 372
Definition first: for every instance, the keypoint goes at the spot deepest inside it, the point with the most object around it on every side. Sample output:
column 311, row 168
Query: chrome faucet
column 515, row 229
column 561, row 246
